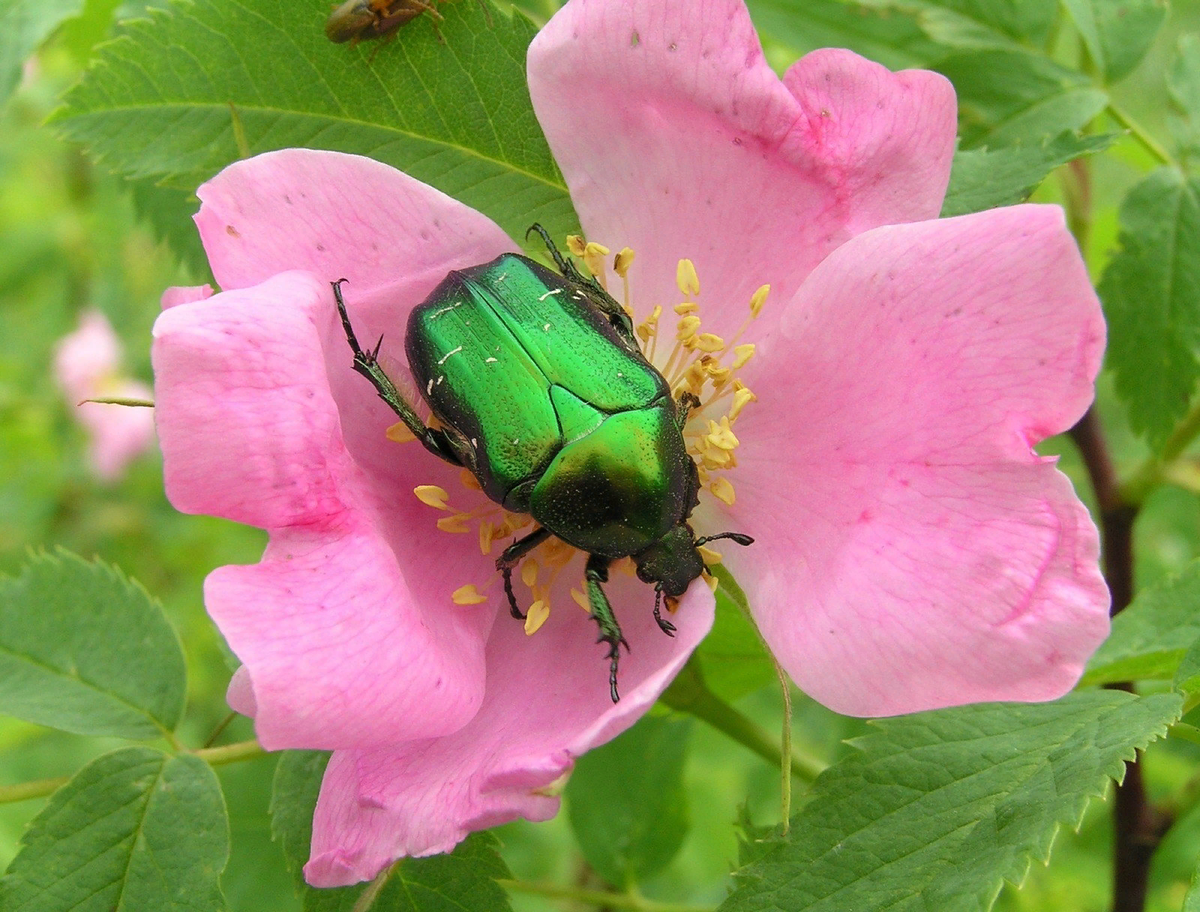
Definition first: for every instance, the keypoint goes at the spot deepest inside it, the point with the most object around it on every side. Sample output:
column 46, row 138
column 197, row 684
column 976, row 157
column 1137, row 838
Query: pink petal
column 346, row 628
column 547, row 703
column 184, row 294
column 335, row 216
column 920, row 554
column 678, row 140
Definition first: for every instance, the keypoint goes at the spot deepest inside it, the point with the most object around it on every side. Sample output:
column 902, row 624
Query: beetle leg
column 511, row 556
column 683, row 407
column 664, row 625
column 367, row 364
column 602, row 613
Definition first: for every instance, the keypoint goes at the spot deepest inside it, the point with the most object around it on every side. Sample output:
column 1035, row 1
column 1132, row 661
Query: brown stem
column 1138, row 827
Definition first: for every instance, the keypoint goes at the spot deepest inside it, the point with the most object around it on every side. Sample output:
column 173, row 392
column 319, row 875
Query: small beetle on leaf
column 540, row 390
column 360, row 20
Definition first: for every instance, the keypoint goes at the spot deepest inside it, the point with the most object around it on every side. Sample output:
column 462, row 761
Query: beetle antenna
column 737, row 537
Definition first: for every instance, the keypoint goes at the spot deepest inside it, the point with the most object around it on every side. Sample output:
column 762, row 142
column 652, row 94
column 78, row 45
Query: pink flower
column 87, row 365
column 912, row 550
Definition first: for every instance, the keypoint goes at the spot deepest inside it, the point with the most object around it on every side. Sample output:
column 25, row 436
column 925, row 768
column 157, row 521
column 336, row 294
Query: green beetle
column 543, row 394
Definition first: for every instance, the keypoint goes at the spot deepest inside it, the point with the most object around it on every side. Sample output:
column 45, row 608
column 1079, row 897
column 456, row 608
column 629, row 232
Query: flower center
column 697, row 364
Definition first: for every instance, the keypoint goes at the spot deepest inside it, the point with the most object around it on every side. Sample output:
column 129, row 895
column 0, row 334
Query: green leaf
column 1191, row 902
column 135, row 829
column 984, row 178
column 24, row 25
column 162, row 99
column 1117, row 33
column 1187, row 675
column 937, row 809
column 293, row 798
column 1150, row 637
column 1151, row 294
column 627, row 803
column 979, row 23
column 732, row 657
column 892, row 38
column 463, row 881
column 85, row 650
column 1183, row 90
column 169, row 211
column 1013, row 97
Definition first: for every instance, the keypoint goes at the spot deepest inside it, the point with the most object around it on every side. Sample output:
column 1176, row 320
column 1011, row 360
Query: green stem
column 24, row 791
column 1148, row 142
column 785, row 788
column 214, row 756
column 688, row 693
column 1158, row 468
column 230, row 753
column 600, row 898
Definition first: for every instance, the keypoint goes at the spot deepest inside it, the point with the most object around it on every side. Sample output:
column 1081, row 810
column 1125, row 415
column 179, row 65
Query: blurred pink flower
column 912, row 550
column 87, row 365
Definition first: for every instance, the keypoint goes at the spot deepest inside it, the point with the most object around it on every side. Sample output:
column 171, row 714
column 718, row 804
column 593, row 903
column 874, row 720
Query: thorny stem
column 688, row 693
column 214, row 756
column 599, row 898
column 1138, row 826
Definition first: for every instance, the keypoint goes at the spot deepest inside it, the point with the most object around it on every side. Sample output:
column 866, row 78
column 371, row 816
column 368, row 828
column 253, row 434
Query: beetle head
column 672, row 562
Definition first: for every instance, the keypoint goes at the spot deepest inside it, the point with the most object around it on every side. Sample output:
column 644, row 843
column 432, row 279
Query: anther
column 536, row 616
column 723, row 490
column 432, row 496
column 686, row 278
column 467, row 595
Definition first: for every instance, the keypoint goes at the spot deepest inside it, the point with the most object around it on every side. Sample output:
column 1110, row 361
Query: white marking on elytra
column 490, row 360
column 553, row 291
column 429, row 387
column 545, row 327
column 442, row 359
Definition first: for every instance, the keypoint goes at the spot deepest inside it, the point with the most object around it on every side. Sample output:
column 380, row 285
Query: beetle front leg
column 511, row 556
column 367, row 364
column 602, row 613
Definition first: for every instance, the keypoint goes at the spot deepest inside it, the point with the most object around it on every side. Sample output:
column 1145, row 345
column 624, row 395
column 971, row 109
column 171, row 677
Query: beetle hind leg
column 602, row 613
column 510, row 557
column 367, row 364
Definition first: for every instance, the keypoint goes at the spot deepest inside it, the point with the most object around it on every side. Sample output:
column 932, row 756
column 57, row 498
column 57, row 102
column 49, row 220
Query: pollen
column 468, row 595
column 622, row 261
column 399, row 433
column 687, row 279
column 536, row 616
column 432, row 496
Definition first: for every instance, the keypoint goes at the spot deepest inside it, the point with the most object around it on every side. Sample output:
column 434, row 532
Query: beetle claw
column 663, row 624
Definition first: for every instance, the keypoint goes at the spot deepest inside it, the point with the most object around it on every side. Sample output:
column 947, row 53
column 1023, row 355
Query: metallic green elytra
column 359, row 20
column 542, row 392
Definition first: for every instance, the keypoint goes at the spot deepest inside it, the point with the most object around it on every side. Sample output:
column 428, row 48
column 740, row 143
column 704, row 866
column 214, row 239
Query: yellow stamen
column 758, row 299
column 432, row 496
column 581, row 600
column 708, row 342
column 741, row 397
column 456, row 523
column 687, row 307
column 686, row 278
column 486, row 531
column 721, row 435
column 593, row 259
column 576, row 244
column 686, row 328
column 536, row 616
column 742, row 354
column 467, row 595
column 399, row 433
column 529, row 572
column 622, row 261
column 468, row 480
column 712, row 581
column 723, row 490
column 708, row 555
